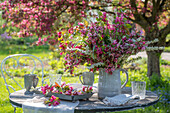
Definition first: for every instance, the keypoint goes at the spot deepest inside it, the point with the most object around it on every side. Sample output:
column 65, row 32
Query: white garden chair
column 16, row 61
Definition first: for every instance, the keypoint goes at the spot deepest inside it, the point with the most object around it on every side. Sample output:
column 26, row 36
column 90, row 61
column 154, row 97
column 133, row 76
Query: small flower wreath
column 65, row 89
column 52, row 101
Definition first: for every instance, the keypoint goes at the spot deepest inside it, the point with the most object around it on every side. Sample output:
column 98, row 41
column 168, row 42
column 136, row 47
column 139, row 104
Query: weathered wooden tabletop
column 93, row 104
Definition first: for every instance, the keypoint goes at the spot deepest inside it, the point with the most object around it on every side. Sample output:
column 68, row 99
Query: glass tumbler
column 55, row 78
column 139, row 89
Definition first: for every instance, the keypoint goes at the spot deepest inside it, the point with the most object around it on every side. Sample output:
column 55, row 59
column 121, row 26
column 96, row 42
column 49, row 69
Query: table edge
column 111, row 109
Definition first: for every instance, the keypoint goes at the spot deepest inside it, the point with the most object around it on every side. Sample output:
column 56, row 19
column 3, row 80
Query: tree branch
column 138, row 17
column 98, row 5
column 162, row 4
column 62, row 11
column 130, row 19
column 158, row 2
column 133, row 4
column 154, row 13
column 154, row 2
column 145, row 6
column 98, row 8
column 165, row 31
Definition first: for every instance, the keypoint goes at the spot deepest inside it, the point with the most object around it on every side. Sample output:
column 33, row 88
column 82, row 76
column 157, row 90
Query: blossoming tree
column 153, row 17
column 47, row 17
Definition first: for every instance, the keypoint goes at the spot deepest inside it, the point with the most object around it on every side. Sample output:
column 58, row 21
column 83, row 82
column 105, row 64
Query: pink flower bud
column 53, row 97
column 51, row 100
column 91, row 88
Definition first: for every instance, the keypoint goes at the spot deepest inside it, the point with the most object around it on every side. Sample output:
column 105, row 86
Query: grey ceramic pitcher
column 110, row 84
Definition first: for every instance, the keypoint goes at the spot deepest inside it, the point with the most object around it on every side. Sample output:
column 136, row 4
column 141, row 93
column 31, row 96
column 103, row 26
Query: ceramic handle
column 80, row 79
column 35, row 82
column 126, row 78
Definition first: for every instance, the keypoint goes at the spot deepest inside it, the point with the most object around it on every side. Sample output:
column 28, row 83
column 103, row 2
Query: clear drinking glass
column 55, row 78
column 139, row 89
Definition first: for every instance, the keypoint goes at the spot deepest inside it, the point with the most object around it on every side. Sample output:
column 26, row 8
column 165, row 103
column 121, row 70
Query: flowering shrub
column 5, row 36
column 65, row 89
column 40, row 16
column 103, row 44
column 52, row 101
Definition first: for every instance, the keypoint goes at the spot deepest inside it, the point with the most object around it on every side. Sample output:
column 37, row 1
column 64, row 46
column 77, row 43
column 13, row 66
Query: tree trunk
column 153, row 64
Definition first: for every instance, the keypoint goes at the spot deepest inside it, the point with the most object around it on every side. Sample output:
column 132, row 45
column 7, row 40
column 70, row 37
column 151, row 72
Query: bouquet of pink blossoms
column 102, row 44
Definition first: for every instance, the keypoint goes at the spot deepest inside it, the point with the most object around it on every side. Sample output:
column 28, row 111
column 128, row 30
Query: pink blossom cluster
column 142, row 7
column 39, row 16
column 104, row 42
column 87, row 89
column 66, row 89
column 46, row 89
column 52, row 101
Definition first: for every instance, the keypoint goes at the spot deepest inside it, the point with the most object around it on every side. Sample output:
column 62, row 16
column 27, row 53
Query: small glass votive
column 139, row 89
column 55, row 78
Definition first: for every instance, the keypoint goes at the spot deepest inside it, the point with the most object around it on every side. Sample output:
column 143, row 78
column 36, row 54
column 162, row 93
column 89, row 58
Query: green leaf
column 77, row 43
column 100, row 14
column 8, row 29
column 97, row 19
column 85, row 42
column 128, row 26
column 124, row 19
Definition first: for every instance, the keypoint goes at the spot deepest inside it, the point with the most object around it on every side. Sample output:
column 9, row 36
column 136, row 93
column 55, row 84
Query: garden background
column 54, row 61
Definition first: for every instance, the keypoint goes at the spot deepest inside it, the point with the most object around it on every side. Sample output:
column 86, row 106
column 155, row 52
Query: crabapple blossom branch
column 133, row 59
column 80, row 50
column 153, row 41
column 99, row 64
column 154, row 48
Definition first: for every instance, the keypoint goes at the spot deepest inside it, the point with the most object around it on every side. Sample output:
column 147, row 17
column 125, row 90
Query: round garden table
column 93, row 105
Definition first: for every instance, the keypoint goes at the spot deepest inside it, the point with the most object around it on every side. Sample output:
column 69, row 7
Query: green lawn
column 20, row 49
column 167, row 49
